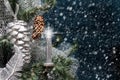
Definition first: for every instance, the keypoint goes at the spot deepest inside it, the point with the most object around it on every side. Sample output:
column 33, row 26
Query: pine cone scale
column 19, row 35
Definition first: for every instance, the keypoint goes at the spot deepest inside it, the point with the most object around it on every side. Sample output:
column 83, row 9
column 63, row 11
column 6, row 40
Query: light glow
column 48, row 32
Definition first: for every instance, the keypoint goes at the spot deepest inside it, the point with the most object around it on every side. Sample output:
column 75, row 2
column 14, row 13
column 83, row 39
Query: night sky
column 95, row 26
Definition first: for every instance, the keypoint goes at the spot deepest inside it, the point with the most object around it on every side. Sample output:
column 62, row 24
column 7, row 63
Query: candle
column 48, row 35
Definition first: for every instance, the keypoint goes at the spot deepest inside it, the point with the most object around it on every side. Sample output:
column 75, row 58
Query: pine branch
column 28, row 14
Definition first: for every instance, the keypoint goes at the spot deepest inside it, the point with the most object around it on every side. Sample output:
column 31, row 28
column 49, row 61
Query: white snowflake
column 89, row 45
column 111, row 63
column 114, row 50
column 106, row 57
column 65, row 39
column 113, row 22
column 108, row 76
column 80, row 3
column 56, row 19
column 95, row 52
column 96, row 76
column 107, row 24
column 74, row 2
column 113, row 13
column 94, row 68
column 103, row 51
column 78, row 23
column 118, row 19
column 83, row 72
column 69, row 8
column 100, row 67
column 92, row 4
column 61, row 14
column 85, row 32
column 64, row 17
column 85, row 16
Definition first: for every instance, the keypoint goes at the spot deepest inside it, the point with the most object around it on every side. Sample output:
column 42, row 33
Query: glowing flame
column 48, row 32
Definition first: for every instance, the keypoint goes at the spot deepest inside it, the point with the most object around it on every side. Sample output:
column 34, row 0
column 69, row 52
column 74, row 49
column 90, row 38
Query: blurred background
column 94, row 25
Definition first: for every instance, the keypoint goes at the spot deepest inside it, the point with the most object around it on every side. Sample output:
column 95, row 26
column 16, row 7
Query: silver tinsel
column 5, row 17
column 4, row 14
column 19, row 35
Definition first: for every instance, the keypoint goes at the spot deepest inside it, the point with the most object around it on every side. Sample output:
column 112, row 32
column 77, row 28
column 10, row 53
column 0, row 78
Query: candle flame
column 48, row 32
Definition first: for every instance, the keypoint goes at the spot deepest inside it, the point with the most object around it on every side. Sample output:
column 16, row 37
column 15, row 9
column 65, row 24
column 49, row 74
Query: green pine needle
column 29, row 14
column 60, row 70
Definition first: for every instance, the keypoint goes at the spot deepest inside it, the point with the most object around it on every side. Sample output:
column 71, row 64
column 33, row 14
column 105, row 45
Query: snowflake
column 92, row 4
column 74, row 3
column 100, row 67
column 64, row 17
column 61, row 14
column 94, row 68
column 108, row 76
column 69, row 8
column 80, row 3
column 106, row 57
column 85, row 16
column 85, row 32
column 95, row 52
column 96, row 76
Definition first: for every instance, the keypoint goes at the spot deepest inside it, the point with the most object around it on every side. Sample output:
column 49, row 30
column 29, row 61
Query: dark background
column 95, row 26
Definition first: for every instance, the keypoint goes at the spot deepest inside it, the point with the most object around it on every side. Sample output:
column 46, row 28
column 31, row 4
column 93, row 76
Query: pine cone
column 18, row 34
